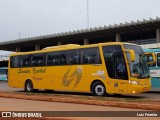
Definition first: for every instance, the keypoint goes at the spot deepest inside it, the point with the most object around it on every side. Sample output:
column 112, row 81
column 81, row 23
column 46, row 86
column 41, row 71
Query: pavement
column 153, row 95
column 153, row 98
column 10, row 104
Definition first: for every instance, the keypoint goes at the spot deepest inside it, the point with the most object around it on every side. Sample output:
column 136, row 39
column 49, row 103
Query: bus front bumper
column 133, row 89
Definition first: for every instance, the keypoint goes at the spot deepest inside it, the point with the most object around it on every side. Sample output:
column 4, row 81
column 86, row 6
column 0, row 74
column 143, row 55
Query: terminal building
column 142, row 32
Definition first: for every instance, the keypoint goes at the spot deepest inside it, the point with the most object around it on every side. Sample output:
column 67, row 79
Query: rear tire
column 98, row 89
column 29, row 86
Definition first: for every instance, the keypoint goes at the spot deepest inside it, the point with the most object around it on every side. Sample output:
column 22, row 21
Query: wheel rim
column 99, row 90
column 29, row 86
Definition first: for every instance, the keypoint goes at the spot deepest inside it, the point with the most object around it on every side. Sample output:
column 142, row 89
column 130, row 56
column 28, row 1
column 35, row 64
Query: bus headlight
column 133, row 82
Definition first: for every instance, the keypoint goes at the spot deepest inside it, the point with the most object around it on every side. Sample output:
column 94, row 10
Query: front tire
column 98, row 89
column 29, row 86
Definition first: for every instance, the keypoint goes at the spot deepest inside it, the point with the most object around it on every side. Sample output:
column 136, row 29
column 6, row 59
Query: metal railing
column 144, row 41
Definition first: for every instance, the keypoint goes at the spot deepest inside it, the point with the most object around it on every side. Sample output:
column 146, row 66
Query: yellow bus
column 112, row 68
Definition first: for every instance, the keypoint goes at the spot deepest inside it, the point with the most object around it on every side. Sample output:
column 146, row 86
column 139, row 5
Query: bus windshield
column 139, row 68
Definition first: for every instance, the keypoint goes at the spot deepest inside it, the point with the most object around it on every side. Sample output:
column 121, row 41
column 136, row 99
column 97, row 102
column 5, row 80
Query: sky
column 29, row 18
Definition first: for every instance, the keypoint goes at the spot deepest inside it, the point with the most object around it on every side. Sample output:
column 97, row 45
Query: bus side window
column 11, row 62
column 53, row 58
column 26, row 60
column 49, row 62
column 16, row 61
column 63, row 59
column 26, row 63
column 34, row 63
column 73, row 60
column 21, row 63
column 91, row 59
column 72, row 57
column 37, row 60
column 40, row 62
column 56, row 62
column 85, row 59
column 97, row 58
column 90, row 56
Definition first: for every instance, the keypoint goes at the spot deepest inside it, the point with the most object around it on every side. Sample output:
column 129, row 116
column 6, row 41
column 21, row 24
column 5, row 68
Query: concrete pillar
column 86, row 41
column 118, row 37
column 59, row 43
column 158, row 35
column 37, row 47
column 18, row 49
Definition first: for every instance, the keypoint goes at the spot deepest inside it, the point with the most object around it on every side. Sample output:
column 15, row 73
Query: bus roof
column 69, row 47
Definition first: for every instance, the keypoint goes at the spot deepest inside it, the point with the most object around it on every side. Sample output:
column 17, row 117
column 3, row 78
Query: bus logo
column 76, row 75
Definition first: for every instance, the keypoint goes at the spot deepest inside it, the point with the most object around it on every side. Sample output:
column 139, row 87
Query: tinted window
column 37, row 60
column 137, row 49
column 11, row 62
column 20, row 61
column 15, row 61
column 25, row 59
column 54, row 58
column 90, row 56
column 70, row 57
column 73, row 57
column 63, row 58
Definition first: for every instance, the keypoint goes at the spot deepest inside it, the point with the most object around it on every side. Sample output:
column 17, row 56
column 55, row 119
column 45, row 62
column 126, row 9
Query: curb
column 145, row 106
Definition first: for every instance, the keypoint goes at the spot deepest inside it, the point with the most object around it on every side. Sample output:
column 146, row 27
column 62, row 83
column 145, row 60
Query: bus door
column 117, row 73
column 120, row 74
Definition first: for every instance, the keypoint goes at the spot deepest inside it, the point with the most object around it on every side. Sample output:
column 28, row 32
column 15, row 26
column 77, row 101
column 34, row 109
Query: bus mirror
column 151, row 58
column 130, row 55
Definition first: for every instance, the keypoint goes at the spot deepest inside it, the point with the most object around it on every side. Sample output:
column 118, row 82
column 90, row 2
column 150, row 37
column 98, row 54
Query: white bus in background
column 4, row 57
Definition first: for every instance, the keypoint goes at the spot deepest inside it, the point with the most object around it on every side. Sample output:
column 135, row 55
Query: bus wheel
column 29, row 86
column 98, row 89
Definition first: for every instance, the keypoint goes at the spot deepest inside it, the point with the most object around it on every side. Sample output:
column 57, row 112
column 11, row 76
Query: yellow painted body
column 73, row 77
